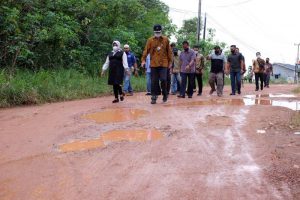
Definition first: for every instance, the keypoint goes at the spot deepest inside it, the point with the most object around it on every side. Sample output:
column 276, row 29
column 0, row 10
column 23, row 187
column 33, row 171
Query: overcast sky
column 269, row 26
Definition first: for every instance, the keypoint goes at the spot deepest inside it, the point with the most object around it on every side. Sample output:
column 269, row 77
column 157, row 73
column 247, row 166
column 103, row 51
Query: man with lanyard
column 158, row 46
column 218, row 60
column 235, row 66
column 133, row 67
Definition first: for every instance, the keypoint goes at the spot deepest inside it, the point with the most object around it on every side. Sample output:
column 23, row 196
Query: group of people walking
column 169, row 70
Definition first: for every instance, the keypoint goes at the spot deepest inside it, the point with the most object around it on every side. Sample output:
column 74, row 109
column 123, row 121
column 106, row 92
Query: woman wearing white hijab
column 116, row 61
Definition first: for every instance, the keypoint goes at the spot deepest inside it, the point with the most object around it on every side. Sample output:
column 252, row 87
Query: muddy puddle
column 276, row 95
column 115, row 115
column 110, row 137
column 293, row 105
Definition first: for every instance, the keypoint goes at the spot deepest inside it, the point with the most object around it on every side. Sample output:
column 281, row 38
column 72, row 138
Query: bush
column 27, row 87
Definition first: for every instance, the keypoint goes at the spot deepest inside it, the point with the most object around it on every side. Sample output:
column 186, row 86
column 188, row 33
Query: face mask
column 175, row 53
column 186, row 49
column 258, row 56
column 217, row 52
column 115, row 48
column 232, row 51
column 157, row 35
column 267, row 61
column 196, row 52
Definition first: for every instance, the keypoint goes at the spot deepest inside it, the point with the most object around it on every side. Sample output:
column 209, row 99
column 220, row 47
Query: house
column 284, row 71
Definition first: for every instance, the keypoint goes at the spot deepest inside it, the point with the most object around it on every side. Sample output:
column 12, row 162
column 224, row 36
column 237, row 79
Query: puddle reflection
column 116, row 115
column 112, row 136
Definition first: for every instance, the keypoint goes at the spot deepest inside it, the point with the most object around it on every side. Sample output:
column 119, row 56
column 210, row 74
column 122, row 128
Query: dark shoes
column 199, row 94
column 129, row 94
column 148, row 93
column 122, row 96
column 212, row 91
column 190, row 97
column 232, row 94
column 180, row 96
column 165, row 98
column 153, row 99
column 239, row 92
column 115, row 101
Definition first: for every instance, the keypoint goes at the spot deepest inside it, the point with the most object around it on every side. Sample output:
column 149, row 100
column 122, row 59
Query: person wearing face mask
column 258, row 67
column 199, row 70
column 116, row 62
column 218, row 61
column 175, row 72
column 187, row 60
column 132, row 64
column 243, row 67
column 268, row 71
column 235, row 67
column 160, row 52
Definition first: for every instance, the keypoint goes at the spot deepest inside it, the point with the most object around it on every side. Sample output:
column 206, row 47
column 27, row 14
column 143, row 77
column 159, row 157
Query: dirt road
column 241, row 147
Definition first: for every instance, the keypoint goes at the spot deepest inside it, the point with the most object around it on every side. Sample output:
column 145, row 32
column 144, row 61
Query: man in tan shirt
column 258, row 67
column 159, row 48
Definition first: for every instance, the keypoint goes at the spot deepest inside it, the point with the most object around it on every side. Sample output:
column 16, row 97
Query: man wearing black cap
column 159, row 48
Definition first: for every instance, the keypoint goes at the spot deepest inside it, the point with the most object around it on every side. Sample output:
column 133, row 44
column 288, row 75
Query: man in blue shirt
column 187, row 72
column 132, row 64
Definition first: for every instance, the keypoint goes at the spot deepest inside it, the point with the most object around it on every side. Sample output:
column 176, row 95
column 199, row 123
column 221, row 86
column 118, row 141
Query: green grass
column 27, row 87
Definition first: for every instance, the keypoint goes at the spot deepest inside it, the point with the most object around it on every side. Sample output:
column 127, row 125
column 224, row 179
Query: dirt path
column 200, row 148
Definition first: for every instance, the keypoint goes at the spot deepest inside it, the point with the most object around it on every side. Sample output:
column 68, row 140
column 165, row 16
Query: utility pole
column 296, row 65
column 204, row 29
column 199, row 22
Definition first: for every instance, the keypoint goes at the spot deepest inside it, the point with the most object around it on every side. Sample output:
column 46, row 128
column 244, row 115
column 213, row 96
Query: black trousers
column 159, row 74
column 199, row 79
column 117, row 90
column 259, row 76
column 187, row 79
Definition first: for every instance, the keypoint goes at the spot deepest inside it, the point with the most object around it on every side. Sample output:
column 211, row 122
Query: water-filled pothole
column 116, row 115
column 112, row 136
column 293, row 105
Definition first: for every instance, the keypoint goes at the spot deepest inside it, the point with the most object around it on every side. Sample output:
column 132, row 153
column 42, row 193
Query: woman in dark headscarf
column 116, row 62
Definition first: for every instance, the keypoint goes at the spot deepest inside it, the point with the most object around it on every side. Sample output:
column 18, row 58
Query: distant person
column 258, row 69
column 187, row 64
column 235, row 68
column 199, row 70
column 243, row 67
column 160, row 52
column 148, row 75
column 116, row 61
column 268, row 72
column 132, row 64
column 175, row 72
column 218, row 61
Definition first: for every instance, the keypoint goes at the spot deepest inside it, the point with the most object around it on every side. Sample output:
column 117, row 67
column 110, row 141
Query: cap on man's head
column 258, row 53
column 234, row 46
column 173, row 44
column 157, row 28
column 217, row 47
column 126, row 46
